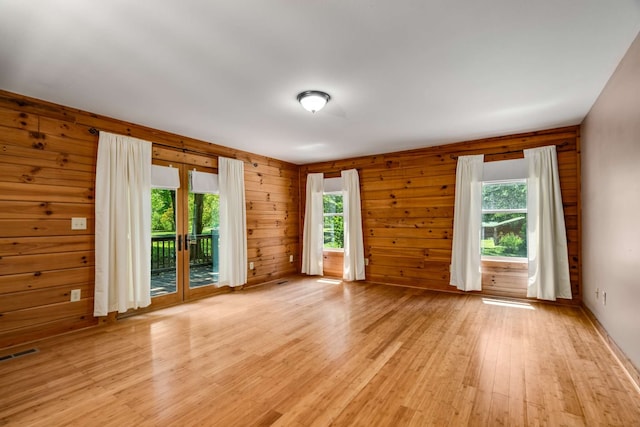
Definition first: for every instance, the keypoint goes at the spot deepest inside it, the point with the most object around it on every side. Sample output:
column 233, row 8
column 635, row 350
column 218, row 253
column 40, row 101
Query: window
column 333, row 220
column 204, row 228
column 504, row 219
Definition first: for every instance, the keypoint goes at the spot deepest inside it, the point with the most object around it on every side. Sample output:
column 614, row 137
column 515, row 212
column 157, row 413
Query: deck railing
column 163, row 253
column 201, row 248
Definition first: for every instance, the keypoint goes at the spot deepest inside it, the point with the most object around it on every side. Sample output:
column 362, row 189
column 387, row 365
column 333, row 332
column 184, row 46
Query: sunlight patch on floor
column 330, row 281
column 512, row 304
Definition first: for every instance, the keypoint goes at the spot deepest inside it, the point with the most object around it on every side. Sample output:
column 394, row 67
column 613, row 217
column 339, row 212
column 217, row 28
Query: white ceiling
column 402, row 74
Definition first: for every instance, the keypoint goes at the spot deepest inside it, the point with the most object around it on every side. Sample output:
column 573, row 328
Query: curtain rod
column 564, row 144
column 94, row 131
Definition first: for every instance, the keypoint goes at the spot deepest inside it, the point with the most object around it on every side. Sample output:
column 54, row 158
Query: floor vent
column 283, row 282
column 18, row 354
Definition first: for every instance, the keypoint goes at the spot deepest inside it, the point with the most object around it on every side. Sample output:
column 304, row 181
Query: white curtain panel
column 233, row 223
column 123, row 224
column 467, row 220
column 546, row 233
column 313, row 237
column 353, row 242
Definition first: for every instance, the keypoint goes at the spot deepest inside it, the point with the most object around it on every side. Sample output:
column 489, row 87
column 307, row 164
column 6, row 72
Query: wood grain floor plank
column 317, row 352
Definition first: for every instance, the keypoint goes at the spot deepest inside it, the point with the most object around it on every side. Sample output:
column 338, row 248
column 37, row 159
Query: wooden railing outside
column 201, row 251
column 163, row 253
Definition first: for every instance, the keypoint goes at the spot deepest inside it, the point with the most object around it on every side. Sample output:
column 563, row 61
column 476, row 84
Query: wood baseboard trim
column 627, row 365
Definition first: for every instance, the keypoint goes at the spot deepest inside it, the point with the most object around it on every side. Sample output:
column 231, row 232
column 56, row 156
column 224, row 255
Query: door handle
column 179, row 243
column 187, row 241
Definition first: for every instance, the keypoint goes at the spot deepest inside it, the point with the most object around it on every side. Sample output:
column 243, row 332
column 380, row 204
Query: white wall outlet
column 597, row 293
column 604, row 298
column 366, row 261
column 290, row 258
column 251, row 266
column 78, row 223
column 75, row 295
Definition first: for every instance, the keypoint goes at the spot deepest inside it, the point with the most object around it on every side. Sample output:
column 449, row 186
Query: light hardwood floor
column 310, row 352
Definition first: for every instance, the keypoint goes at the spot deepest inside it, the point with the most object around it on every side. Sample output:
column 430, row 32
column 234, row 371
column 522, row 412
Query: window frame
column 332, row 214
column 501, row 258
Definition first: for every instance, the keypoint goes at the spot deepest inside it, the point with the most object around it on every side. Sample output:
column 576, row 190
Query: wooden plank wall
column 332, row 263
column 505, row 278
column 408, row 200
column 47, row 176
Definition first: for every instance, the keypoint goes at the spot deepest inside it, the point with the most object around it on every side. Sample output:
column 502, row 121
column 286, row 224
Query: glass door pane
column 203, row 239
column 163, row 243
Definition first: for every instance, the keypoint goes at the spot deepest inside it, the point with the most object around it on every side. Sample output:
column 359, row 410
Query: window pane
column 333, row 231
column 333, row 226
column 504, row 234
column 163, row 242
column 204, row 222
column 504, row 195
column 332, row 203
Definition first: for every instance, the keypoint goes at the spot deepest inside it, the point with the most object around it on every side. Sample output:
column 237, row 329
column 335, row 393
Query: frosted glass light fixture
column 313, row 100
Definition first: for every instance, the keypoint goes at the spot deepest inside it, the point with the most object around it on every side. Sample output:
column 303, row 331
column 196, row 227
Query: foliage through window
column 204, row 213
column 504, row 219
column 163, row 208
column 333, row 226
column 204, row 218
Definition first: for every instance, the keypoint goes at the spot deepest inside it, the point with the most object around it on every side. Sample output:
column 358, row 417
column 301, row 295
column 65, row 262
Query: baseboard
column 627, row 365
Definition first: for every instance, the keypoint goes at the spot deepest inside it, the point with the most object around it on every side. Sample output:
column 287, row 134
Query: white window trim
column 340, row 250
column 520, row 260
column 329, row 214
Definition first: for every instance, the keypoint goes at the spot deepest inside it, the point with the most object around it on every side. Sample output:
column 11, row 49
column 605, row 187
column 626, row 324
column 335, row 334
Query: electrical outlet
column 251, row 266
column 366, row 261
column 78, row 223
column 75, row 295
column 604, row 298
column 597, row 293
column 290, row 258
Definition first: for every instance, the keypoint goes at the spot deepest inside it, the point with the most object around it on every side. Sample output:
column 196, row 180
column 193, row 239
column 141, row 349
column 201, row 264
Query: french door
column 184, row 240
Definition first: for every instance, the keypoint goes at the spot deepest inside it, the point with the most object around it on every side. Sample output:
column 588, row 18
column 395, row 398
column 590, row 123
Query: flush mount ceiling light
column 313, row 100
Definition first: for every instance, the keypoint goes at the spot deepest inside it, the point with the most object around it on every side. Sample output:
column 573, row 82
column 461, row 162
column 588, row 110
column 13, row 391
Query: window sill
column 518, row 260
column 333, row 250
